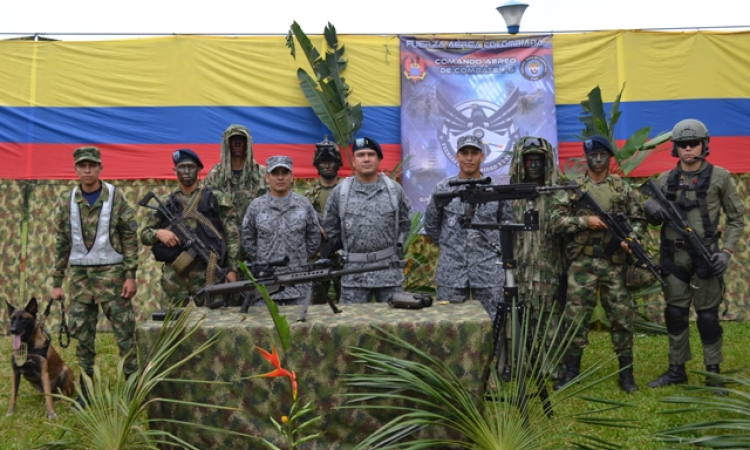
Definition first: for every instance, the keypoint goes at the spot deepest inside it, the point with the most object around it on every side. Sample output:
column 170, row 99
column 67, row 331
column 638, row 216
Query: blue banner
column 497, row 89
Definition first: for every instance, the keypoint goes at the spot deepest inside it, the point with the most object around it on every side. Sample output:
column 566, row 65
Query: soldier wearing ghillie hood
column 540, row 254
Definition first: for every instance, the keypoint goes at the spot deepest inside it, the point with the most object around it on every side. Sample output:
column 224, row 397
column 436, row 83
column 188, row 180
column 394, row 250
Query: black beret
column 365, row 142
column 185, row 154
column 597, row 143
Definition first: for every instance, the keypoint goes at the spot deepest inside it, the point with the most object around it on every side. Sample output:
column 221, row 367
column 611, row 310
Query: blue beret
column 597, row 143
column 365, row 142
column 185, row 154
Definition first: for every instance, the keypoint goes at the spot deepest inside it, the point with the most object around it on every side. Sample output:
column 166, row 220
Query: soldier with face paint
column 211, row 217
column 469, row 264
column 327, row 160
column 540, row 254
column 598, row 261
column 96, row 235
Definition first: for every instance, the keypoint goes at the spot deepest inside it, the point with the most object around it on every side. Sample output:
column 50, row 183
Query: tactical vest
column 101, row 252
column 600, row 244
column 710, row 236
column 372, row 256
column 208, row 206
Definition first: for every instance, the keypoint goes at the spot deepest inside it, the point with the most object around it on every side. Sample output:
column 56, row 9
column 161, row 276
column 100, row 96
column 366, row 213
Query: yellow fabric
column 655, row 65
column 186, row 71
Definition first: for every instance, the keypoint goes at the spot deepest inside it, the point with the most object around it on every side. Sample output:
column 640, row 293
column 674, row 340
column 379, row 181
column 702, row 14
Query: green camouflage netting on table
column 458, row 334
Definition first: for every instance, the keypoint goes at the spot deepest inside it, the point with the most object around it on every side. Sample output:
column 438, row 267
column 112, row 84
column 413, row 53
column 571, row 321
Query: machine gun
column 677, row 221
column 275, row 283
column 190, row 243
column 618, row 226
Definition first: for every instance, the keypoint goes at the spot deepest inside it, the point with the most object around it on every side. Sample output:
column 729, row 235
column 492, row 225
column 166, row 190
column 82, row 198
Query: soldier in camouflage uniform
column 327, row 160
column 210, row 216
column 369, row 214
column 470, row 263
column 597, row 261
column 282, row 223
column 701, row 191
column 95, row 234
column 540, row 254
column 239, row 176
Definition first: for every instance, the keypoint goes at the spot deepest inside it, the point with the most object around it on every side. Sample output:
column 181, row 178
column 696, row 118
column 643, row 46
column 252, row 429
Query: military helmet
column 690, row 130
column 326, row 150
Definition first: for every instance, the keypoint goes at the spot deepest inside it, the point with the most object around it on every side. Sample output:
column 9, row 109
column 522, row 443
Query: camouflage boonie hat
column 278, row 161
column 87, row 154
column 469, row 141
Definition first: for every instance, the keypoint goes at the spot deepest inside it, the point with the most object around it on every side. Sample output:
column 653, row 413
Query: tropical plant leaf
column 280, row 322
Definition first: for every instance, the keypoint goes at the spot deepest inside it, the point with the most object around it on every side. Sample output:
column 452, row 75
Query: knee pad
column 708, row 326
column 677, row 319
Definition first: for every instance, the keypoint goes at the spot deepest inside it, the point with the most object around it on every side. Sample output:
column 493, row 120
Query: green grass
column 28, row 425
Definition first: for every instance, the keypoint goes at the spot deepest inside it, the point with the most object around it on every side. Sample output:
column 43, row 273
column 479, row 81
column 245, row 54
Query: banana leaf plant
column 327, row 92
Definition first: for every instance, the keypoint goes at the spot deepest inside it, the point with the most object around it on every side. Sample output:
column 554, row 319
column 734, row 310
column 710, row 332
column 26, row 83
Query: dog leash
column 63, row 324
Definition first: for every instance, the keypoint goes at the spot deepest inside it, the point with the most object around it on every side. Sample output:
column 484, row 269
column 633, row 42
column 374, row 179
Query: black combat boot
column 572, row 370
column 83, row 399
column 627, row 382
column 674, row 375
column 714, row 368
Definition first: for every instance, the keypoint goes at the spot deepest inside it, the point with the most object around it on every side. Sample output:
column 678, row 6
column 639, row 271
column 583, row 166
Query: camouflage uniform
column 540, row 254
column 98, row 285
column 467, row 263
column 370, row 224
column 318, row 197
column 589, row 274
column 706, row 293
column 277, row 227
column 178, row 287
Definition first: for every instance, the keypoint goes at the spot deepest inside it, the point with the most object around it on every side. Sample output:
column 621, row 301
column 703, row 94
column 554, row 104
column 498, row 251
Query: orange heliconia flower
column 273, row 358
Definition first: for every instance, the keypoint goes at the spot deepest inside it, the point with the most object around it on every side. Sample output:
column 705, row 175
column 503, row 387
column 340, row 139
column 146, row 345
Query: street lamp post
column 512, row 12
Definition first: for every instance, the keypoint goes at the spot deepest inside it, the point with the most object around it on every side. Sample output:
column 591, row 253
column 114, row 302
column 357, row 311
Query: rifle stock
column 618, row 226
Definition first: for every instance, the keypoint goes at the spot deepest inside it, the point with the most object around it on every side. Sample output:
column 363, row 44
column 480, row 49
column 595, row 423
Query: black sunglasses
column 686, row 144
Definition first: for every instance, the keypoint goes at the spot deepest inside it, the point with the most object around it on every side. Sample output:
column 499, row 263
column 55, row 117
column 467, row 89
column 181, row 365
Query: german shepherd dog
column 43, row 367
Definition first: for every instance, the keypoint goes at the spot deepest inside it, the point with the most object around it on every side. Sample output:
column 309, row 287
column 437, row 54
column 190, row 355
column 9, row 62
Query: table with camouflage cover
column 458, row 334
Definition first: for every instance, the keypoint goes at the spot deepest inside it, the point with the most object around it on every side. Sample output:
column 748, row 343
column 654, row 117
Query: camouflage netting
column 41, row 195
column 457, row 334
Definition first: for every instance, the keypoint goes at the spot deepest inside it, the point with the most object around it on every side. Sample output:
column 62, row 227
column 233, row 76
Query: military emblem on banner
column 415, row 68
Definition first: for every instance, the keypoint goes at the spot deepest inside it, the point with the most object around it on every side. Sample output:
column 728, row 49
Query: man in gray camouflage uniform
column 282, row 223
column 102, row 271
column 369, row 214
column 469, row 263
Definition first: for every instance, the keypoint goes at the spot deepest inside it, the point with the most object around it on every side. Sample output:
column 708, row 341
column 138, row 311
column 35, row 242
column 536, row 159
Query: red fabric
column 727, row 152
column 132, row 162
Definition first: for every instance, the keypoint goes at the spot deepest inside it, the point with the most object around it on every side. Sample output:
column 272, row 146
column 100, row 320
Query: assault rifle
column 677, row 221
column 190, row 243
column 618, row 226
column 275, row 283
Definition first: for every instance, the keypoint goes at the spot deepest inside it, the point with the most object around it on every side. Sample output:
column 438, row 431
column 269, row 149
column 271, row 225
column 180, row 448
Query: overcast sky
column 356, row 16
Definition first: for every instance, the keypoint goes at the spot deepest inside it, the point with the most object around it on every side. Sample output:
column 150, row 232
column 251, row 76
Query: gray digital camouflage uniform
column 370, row 225
column 467, row 265
column 98, row 285
column 177, row 287
column 706, row 293
column 277, row 227
column 589, row 275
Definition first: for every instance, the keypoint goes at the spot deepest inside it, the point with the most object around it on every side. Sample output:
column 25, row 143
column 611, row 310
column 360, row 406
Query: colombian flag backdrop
column 139, row 100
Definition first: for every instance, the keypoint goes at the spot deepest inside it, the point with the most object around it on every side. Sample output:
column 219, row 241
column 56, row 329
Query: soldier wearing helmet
column 327, row 160
column 701, row 191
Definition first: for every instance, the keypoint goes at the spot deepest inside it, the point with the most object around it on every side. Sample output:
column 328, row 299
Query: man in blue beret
column 369, row 214
column 210, row 216
column 598, row 261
